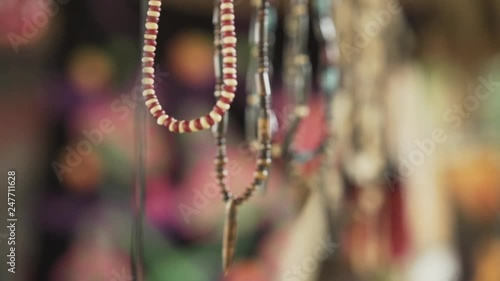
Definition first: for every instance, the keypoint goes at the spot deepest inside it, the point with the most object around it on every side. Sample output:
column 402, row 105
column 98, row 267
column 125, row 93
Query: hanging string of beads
column 297, row 74
column 264, row 138
column 329, row 81
column 229, row 82
column 264, row 133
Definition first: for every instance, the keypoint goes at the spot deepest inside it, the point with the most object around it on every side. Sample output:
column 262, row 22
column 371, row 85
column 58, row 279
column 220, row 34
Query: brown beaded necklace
column 229, row 82
column 225, row 74
column 264, row 135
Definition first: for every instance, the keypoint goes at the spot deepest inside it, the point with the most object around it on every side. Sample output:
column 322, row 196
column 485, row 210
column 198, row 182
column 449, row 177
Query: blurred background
column 428, row 71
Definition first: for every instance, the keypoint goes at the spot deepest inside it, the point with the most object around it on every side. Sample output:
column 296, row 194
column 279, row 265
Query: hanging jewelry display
column 364, row 160
column 263, row 90
column 297, row 77
column 329, row 82
column 297, row 74
column 252, row 103
column 360, row 121
column 229, row 82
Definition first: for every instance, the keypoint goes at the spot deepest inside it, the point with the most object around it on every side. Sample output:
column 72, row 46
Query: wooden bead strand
column 264, row 127
column 229, row 78
column 219, row 130
column 264, row 136
column 264, row 132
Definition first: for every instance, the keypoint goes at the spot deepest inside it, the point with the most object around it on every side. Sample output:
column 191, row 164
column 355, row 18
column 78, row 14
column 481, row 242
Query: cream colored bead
column 301, row 111
column 161, row 120
column 150, row 101
column 149, row 48
column 148, row 92
column 151, row 25
column 171, row 126
column 231, row 82
column 276, row 151
column 181, row 127
column 155, row 109
column 226, row 6
column 227, row 17
column 148, row 69
column 260, row 174
column 192, row 127
column 204, row 123
column 223, row 105
column 155, row 3
column 148, row 81
column 230, row 60
column 227, row 28
column 228, row 50
column 229, row 40
column 216, row 116
column 229, row 70
column 253, row 99
column 150, row 36
column 147, row 59
column 228, row 95
column 153, row 14
column 300, row 9
column 266, row 162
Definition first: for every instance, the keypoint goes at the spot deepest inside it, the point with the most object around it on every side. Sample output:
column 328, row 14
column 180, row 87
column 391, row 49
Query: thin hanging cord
column 139, row 182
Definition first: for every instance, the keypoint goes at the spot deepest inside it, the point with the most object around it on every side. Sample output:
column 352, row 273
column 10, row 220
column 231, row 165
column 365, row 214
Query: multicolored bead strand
column 229, row 80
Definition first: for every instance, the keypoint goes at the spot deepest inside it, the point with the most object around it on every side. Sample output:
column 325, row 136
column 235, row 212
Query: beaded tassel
column 229, row 82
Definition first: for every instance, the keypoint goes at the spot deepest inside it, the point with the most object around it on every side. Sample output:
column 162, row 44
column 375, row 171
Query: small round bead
column 161, row 119
column 197, row 124
column 154, row 8
column 150, row 42
column 204, row 122
column 210, row 120
column 192, row 126
column 154, row 3
column 152, row 19
column 148, row 81
column 151, row 25
column 155, row 109
column 153, row 14
column 152, row 31
column 185, row 127
column 218, row 108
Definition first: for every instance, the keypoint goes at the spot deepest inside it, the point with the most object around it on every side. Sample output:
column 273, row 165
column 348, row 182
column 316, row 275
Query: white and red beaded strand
column 228, row 38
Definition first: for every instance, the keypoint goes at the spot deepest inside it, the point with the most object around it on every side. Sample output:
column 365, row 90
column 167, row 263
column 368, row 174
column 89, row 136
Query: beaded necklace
column 297, row 77
column 225, row 87
column 229, row 82
column 264, row 135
